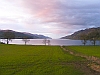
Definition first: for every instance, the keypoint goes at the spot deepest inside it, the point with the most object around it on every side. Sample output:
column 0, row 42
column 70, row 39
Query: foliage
column 83, row 37
column 8, row 35
column 93, row 36
column 2, row 43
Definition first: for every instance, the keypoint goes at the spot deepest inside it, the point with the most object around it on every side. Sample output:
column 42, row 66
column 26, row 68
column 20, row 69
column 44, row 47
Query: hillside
column 75, row 36
column 20, row 35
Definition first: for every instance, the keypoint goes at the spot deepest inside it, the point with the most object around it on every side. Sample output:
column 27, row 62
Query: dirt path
column 90, row 67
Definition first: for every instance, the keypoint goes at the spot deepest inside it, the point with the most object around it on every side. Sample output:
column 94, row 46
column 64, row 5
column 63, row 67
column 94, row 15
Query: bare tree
column 46, row 42
column 25, row 39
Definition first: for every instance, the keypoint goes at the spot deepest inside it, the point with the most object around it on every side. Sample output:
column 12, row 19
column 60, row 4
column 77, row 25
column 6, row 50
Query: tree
column 8, row 35
column 48, row 42
column 83, row 37
column 93, row 36
column 45, row 41
column 25, row 39
column 2, row 43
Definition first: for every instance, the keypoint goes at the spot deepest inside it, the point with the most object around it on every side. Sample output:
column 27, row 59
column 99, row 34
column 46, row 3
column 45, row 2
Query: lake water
column 65, row 42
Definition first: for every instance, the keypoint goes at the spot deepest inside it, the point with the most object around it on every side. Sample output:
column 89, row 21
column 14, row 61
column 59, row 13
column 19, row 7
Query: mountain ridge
column 75, row 35
column 21, row 35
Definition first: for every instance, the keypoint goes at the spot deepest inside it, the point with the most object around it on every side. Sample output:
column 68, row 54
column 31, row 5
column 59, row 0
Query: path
column 93, row 62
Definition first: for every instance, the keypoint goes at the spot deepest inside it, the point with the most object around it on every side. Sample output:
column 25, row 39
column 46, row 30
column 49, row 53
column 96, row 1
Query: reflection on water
column 52, row 42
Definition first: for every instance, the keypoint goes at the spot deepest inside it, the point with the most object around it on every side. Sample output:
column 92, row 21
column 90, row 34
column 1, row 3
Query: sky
column 53, row 18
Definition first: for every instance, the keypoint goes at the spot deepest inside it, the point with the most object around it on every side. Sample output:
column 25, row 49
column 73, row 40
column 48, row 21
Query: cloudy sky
column 53, row 18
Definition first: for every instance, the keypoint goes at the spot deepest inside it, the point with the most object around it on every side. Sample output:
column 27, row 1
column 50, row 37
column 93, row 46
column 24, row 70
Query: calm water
column 52, row 42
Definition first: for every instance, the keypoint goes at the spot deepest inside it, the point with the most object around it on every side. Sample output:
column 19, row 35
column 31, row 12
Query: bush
column 2, row 43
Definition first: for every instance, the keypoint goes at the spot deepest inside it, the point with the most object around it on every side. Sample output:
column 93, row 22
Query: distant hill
column 75, row 36
column 20, row 35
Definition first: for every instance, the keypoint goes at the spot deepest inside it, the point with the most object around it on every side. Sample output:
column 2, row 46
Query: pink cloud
column 40, row 8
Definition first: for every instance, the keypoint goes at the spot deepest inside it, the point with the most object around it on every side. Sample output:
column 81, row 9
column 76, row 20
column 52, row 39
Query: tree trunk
column 7, row 41
column 25, row 42
column 94, row 42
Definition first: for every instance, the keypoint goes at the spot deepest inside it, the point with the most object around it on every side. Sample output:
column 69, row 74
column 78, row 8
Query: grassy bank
column 91, row 53
column 37, row 60
column 87, row 50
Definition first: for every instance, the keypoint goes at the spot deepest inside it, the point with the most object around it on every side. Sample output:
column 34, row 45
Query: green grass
column 87, row 50
column 36, row 60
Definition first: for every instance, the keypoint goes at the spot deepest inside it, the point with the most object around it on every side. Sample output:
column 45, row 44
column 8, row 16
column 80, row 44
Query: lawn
column 37, row 60
column 87, row 50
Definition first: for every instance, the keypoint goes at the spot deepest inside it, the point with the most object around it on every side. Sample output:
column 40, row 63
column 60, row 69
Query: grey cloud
column 77, row 14
column 82, row 16
column 78, row 4
column 65, row 12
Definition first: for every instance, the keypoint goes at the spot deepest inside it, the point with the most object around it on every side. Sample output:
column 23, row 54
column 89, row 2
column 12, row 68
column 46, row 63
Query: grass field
column 37, row 60
column 87, row 50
